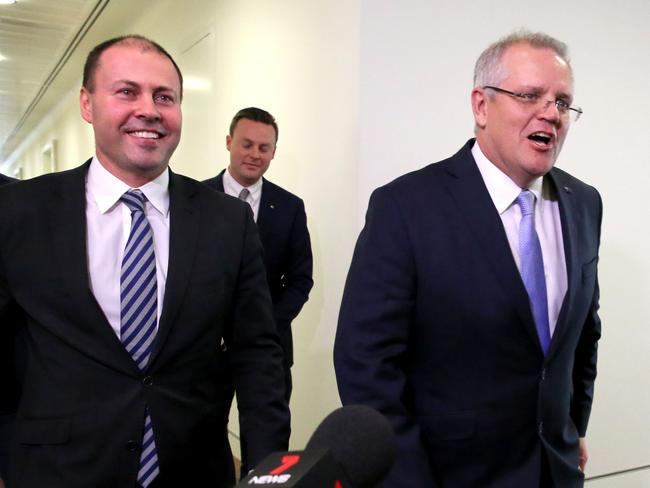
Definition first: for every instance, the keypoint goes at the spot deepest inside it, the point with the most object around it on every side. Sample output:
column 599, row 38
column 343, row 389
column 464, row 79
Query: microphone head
column 361, row 441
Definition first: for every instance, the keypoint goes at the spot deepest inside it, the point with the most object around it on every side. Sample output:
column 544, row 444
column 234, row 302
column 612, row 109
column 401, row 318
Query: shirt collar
column 501, row 188
column 106, row 189
column 232, row 187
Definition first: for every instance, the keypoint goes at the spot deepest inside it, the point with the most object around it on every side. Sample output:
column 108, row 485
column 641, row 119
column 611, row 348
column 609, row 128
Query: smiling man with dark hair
column 113, row 265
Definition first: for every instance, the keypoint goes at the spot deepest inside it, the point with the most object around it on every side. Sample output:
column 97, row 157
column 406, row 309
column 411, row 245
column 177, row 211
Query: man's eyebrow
column 125, row 82
column 539, row 90
column 164, row 88
column 167, row 91
column 530, row 89
column 246, row 139
column 137, row 85
column 564, row 96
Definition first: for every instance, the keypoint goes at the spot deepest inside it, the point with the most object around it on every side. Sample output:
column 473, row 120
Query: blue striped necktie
column 532, row 267
column 139, row 311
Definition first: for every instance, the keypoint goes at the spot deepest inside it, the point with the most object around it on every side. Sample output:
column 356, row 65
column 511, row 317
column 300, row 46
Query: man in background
column 280, row 218
column 113, row 265
column 469, row 316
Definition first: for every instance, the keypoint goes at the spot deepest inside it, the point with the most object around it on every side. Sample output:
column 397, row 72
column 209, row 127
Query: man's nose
column 147, row 109
column 550, row 111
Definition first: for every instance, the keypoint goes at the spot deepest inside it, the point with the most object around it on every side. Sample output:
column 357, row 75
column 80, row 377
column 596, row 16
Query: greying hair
column 490, row 71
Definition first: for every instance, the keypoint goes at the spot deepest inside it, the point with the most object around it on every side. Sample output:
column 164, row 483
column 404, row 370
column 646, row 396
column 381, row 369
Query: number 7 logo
column 287, row 462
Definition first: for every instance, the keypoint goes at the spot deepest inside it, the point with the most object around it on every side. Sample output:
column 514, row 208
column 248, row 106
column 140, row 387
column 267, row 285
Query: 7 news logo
column 275, row 476
column 301, row 469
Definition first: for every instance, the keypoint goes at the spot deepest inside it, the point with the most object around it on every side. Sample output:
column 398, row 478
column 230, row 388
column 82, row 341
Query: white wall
column 416, row 76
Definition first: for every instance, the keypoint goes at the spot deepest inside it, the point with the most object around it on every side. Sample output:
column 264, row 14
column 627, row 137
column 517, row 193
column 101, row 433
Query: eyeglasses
column 536, row 101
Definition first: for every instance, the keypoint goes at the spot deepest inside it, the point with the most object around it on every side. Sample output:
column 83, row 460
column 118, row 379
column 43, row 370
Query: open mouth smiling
column 145, row 134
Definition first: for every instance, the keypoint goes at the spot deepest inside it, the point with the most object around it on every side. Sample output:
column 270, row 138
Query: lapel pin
column 272, row 206
column 567, row 189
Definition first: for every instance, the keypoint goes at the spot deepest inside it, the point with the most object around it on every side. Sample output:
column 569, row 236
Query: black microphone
column 353, row 447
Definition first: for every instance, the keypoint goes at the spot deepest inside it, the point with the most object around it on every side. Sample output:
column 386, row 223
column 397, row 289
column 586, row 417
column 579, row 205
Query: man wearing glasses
column 469, row 316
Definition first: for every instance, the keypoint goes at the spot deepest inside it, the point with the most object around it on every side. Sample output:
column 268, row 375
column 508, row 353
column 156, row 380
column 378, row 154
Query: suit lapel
column 67, row 228
column 218, row 181
column 184, row 220
column 67, row 222
column 574, row 277
column 474, row 203
column 267, row 212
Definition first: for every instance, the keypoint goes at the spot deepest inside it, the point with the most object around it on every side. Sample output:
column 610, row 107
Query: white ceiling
column 38, row 38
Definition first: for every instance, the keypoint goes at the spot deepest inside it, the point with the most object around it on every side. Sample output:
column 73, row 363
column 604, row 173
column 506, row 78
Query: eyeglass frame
column 532, row 98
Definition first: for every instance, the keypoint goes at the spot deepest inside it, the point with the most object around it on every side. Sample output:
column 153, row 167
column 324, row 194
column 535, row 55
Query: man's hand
column 584, row 457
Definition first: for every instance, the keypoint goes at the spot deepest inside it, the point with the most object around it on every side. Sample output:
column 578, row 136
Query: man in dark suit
column 478, row 348
column 113, row 265
column 280, row 218
column 10, row 386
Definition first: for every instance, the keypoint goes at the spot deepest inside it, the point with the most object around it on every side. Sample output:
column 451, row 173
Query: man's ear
column 85, row 105
column 479, row 107
column 228, row 141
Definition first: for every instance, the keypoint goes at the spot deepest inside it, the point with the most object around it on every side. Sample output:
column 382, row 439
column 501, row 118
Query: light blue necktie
column 139, row 311
column 532, row 267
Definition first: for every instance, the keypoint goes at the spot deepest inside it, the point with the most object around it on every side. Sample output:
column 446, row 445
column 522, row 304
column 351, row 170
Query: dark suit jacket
column 6, row 179
column 282, row 224
column 83, row 396
column 436, row 332
column 10, row 388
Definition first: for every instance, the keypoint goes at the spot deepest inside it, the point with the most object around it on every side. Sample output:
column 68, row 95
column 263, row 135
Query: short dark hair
column 92, row 60
column 256, row 115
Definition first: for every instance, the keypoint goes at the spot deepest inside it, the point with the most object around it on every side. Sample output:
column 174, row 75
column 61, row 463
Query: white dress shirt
column 548, row 225
column 108, row 224
column 233, row 188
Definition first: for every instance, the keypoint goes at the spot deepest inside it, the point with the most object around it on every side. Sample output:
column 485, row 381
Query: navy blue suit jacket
column 436, row 332
column 10, row 388
column 6, row 179
column 282, row 224
column 83, row 399
column 8, row 380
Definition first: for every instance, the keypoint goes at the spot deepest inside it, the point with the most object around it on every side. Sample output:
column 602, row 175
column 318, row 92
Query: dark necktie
column 139, row 311
column 532, row 267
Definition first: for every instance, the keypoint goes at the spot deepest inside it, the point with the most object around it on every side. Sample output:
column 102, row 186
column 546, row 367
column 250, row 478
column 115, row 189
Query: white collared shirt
column 548, row 225
column 233, row 188
column 108, row 224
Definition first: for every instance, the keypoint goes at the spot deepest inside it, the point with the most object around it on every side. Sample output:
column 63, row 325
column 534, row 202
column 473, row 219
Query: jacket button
column 540, row 428
column 543, row 374
column 131, row 446
column 147, row 381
